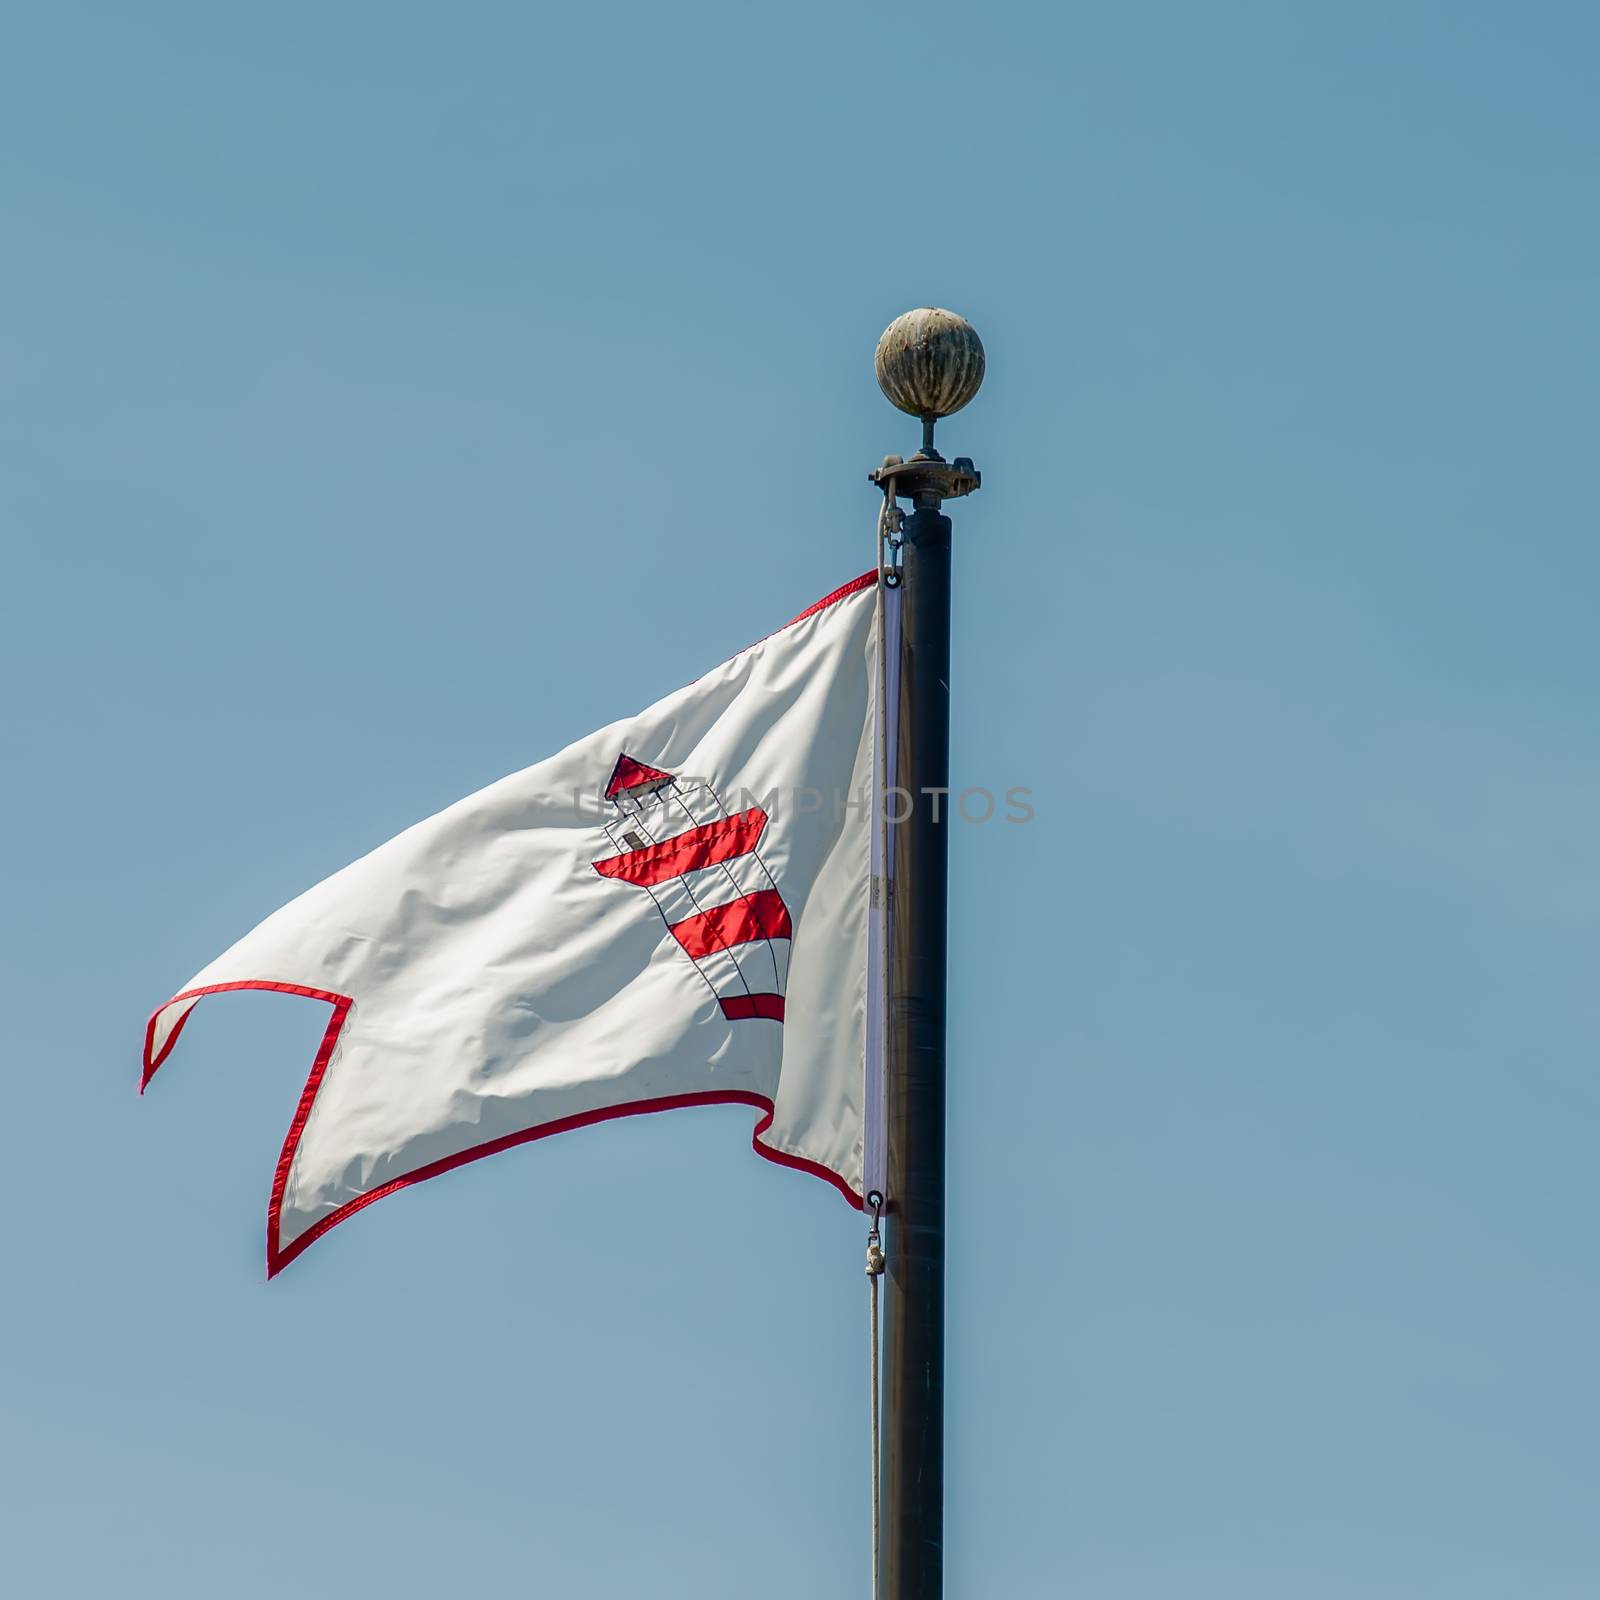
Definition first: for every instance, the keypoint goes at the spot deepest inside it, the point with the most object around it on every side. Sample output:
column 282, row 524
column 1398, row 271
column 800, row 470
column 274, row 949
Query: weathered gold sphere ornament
column 929, row 362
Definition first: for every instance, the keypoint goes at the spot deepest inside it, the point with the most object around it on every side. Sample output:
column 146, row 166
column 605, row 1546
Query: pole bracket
column 926, row 478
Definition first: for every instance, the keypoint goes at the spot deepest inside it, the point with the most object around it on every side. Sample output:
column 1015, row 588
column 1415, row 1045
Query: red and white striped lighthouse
column 699, row 863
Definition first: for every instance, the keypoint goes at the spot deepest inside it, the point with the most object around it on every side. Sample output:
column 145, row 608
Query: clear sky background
column 393, row 393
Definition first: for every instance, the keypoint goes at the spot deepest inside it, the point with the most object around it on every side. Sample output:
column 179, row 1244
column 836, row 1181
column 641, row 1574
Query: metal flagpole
column 929, row 363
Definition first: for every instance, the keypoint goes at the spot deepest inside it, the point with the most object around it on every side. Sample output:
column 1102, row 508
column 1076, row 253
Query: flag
column 672, row 912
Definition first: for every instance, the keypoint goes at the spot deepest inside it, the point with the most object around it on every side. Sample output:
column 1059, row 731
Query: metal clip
column 875, row 1256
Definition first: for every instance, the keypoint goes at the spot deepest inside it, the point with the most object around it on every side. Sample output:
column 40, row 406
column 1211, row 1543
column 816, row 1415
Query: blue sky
column 394, row 393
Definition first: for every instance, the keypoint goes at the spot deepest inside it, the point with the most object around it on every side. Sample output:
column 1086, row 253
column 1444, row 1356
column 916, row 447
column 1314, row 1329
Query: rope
column 874, row 1273
column 890, row 521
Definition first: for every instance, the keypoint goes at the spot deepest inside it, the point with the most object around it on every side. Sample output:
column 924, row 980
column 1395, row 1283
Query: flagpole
column 929, row 363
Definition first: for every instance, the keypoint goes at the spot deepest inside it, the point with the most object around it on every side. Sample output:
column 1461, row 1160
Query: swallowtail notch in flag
column 672, row 912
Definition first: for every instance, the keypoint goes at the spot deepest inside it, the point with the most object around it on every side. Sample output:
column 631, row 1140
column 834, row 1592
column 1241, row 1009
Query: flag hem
column 279, row 1255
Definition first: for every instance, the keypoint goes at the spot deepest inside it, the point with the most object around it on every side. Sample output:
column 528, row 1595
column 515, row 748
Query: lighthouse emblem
column 676, row 840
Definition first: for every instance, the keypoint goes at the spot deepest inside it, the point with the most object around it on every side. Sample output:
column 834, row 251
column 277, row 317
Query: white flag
column 672, row 912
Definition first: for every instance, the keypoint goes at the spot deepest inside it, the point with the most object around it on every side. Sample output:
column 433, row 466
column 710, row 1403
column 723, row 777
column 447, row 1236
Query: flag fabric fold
column 671, row 912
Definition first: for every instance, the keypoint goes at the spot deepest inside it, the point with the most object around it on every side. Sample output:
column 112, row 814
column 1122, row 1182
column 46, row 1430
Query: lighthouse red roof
column 631, row 774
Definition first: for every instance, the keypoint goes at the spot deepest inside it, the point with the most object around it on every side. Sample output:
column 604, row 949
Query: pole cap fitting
column 929, row 362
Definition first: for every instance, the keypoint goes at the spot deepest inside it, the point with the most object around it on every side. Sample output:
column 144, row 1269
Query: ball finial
column 929, row 362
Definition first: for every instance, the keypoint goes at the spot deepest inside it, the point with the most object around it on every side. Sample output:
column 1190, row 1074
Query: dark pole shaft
column 913, row 1476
